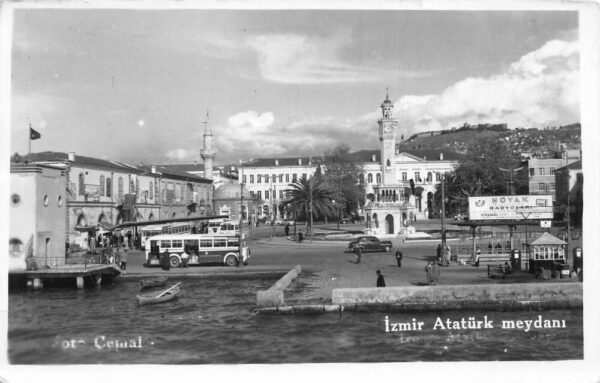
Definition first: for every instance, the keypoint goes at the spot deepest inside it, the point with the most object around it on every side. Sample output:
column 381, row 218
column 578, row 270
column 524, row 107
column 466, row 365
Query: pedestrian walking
column 164, row 262
column 184, row 259
column 428, row 273
column 477, row 255
column 399, row 258
column 435, row 272
column 380, row 280
column 126, row 242
column 358, row 251
column 439, row 252
column 286, row 229
column 300, row 236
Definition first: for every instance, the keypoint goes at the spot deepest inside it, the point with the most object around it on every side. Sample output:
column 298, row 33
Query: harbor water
column 213, row 321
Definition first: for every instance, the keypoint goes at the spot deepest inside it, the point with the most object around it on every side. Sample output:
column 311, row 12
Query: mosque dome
column 230, row 191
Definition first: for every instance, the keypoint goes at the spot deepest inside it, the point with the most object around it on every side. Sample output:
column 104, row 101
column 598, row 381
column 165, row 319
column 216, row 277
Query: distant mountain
column 528, row 143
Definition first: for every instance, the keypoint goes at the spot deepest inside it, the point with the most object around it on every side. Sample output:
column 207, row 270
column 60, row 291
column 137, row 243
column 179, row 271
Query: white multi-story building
column 268, row 179
column 541, row 172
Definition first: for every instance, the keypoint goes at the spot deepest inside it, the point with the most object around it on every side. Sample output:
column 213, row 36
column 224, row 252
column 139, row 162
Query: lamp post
column 510, row 183
column 241, row 241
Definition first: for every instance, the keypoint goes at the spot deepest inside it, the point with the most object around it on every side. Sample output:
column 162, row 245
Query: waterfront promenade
column 326, row 266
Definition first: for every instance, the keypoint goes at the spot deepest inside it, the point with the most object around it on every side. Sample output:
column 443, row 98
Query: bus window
column 165, row 243
column 177, row 243
column 206, row 243
column 190, row 246
column 220, row 242
column 233, row 242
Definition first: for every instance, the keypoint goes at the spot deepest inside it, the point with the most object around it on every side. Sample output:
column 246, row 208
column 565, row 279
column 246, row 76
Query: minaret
column 388, row 127
column 208, row 152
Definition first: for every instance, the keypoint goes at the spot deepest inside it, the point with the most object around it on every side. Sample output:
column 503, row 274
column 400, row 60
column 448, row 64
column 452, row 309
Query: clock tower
column 388, row 127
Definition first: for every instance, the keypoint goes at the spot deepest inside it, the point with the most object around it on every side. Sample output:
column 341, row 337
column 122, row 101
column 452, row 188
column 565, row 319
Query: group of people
column 432, row 269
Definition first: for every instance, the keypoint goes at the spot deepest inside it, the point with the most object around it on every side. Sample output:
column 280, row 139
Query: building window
column 281, row 178
column 259, row 194
column 151, row 191
column 304, row 175
column 120, row 187
column 370, row 178
column 294, row 177
column 15, row 247
column 244, row 179
column 137, row 186
column 531, row 172
column 46, row 200
column 378, row 178
column 81, row 184
column 60, row 200
column 15, row 199
column 418, row 176
column 156, row 192
column 404, row 176
column 251, row 178
column 429, row 177
column 387, row 163
column 552, row 186
column 552, row 171
column 281, row 194
column 541, row 171
column 438, row 177
column 108, row 186
column 266, row 194
column 287, row 177
column 131, row 184
column 542, row 186
column 258, row 178
column 101, row 186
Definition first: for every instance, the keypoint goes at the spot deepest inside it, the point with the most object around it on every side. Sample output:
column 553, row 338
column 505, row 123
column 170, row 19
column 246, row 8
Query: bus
column 223, row 227
column 202, row 249
column 169, row 228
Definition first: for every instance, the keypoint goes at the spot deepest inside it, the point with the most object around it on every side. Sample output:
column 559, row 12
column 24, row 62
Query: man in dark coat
column 286, row 229
column 399, row 258
column 380, row 280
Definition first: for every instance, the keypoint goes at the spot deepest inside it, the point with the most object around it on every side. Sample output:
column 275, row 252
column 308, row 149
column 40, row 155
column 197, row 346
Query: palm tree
column 309, row 196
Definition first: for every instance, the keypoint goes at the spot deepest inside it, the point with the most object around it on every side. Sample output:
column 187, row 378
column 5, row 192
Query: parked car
column 369, row 243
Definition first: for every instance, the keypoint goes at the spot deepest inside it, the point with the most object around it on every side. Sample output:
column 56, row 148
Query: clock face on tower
column 387, row 128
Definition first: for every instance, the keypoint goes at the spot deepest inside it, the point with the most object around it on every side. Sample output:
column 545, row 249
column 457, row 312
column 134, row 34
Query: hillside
column 529, row 143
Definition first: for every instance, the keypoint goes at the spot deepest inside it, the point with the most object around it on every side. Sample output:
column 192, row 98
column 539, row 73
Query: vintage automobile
column 369, row 243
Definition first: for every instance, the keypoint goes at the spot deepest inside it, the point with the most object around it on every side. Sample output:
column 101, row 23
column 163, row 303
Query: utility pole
column 241, row 242
column 443, row 211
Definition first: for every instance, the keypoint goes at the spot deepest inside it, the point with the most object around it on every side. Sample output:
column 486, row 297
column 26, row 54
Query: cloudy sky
column 135, row 85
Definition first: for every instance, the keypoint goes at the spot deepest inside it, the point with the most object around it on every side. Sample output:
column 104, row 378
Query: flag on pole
column 33, row 134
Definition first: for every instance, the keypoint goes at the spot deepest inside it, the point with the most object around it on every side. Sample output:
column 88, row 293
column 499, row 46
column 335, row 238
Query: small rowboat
column 153, row 282
column 163, row 296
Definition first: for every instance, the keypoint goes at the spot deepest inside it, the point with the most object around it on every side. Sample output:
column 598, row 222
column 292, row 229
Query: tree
column 309, row 196
column 480, row 173
column 343, row 175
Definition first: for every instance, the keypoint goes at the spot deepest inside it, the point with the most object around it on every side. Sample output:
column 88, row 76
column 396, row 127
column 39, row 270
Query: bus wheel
column 174, row 262
column 231, row 260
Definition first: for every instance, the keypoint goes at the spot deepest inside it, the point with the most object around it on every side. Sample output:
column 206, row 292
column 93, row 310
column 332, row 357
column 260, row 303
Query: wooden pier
column 79, row 272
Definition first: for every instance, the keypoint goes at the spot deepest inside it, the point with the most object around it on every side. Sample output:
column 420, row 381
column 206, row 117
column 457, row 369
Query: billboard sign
column 513, row 207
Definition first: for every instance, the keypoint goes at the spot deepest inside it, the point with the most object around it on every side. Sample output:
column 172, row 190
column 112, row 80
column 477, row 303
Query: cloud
column 300, row 59
column 538, row 90
column 251, row 134
column 179, row 154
